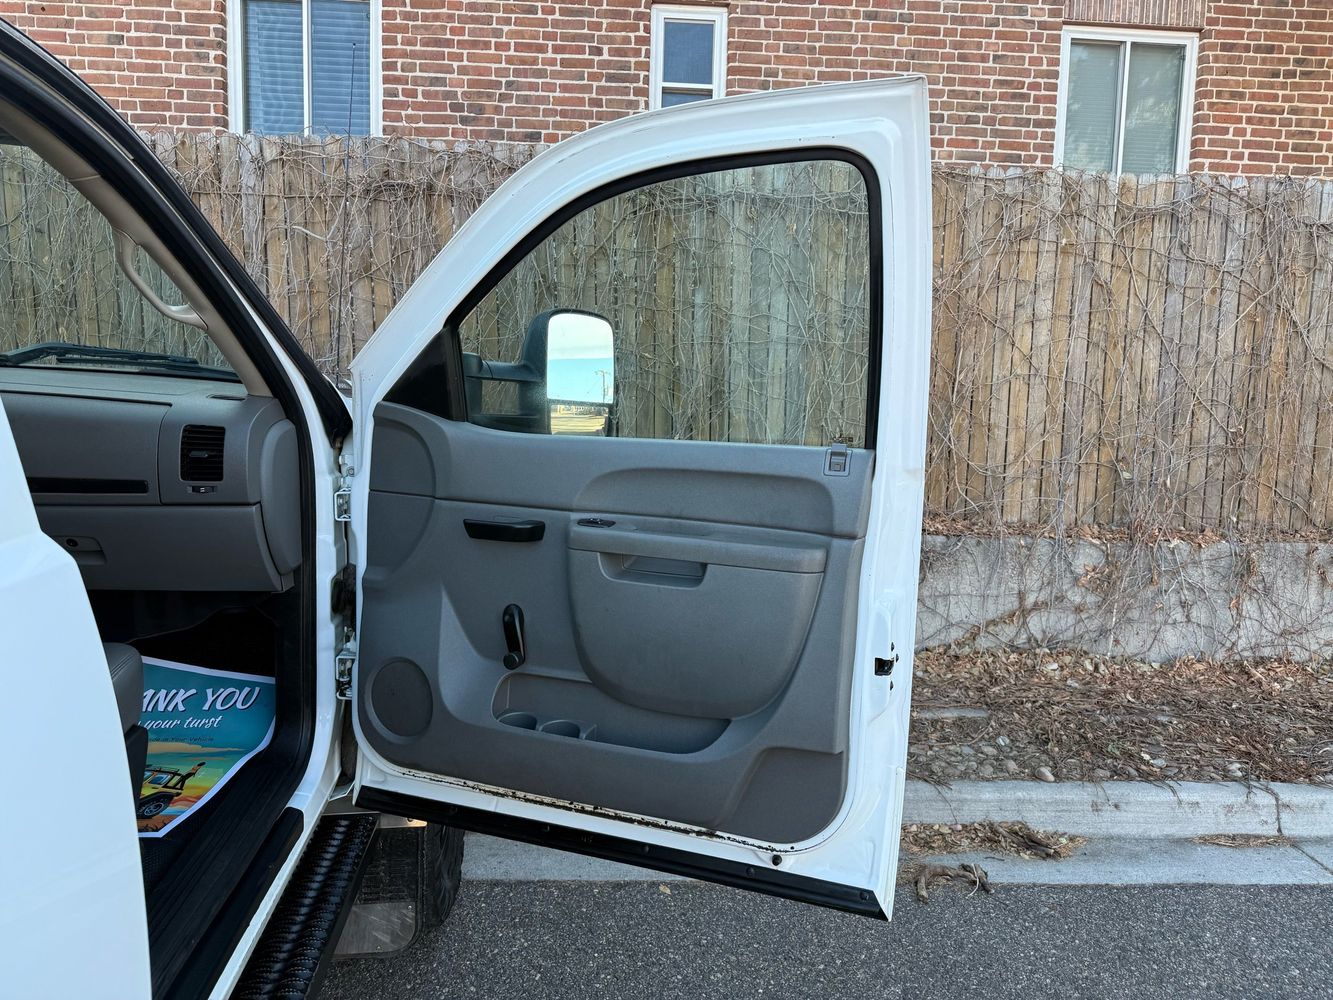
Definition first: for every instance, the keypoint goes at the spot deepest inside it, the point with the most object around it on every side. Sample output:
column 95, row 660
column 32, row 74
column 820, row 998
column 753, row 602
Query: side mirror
column 579, row 365
column 564, row 383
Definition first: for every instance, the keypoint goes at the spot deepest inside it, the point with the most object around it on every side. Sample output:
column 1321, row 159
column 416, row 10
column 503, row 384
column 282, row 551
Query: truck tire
column 441, row 872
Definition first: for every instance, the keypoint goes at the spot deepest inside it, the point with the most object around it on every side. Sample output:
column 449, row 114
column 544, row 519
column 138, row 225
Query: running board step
column 298, row 942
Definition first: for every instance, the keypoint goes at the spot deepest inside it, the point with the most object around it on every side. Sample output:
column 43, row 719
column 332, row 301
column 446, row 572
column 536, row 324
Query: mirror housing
column 564, row 382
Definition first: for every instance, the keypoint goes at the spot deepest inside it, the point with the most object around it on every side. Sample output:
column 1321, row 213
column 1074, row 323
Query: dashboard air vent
column 201, row 453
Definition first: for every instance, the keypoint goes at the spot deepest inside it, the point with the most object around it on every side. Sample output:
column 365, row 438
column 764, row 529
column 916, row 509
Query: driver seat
column 126, row 666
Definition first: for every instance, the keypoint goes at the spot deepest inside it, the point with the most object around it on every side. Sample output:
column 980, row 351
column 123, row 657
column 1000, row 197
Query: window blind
column 1152, row 108
column 274, row 102
column 1092, row 106
column 340, row 66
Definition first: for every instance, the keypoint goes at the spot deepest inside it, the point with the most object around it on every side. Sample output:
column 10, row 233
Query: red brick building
column 1138, row 85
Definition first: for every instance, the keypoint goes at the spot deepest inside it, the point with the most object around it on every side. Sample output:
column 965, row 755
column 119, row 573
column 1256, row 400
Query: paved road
column 597, row 939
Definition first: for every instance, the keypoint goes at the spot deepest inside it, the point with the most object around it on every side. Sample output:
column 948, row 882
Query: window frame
column 661, row 14
column 1126, row 38
column 236, row 57
column 421, row 385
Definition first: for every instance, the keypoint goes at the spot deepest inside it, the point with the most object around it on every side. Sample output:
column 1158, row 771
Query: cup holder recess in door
column 553, row 727
column 563, row 727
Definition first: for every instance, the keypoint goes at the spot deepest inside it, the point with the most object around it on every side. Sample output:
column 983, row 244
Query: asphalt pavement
column 515, row 939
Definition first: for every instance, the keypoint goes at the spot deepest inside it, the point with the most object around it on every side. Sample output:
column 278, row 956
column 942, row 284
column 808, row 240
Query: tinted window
column 738, row 303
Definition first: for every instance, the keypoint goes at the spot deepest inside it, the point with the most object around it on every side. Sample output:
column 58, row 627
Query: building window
column 689, row 54
column 304, row 66
column 1125, row 101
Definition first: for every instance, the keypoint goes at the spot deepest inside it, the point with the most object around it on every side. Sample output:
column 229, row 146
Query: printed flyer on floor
column 203, row 725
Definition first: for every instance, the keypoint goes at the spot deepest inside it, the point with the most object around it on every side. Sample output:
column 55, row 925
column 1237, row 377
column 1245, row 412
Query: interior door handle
column 505, row 531
column 512, row 621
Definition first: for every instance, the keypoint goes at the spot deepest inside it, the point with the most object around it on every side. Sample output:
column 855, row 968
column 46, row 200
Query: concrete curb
column 1124, row 861
column 1139, row 834
column 1129, row 808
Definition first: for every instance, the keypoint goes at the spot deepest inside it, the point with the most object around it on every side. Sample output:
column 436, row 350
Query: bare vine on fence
column 1153, row 357
column 1143, row 359
column 1129, row 371
column 1118, row 363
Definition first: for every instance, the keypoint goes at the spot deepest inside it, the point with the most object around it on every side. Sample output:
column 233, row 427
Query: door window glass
column 725, row 306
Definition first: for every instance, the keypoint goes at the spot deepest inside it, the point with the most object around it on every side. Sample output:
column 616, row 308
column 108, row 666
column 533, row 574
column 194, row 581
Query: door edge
column 672, row 861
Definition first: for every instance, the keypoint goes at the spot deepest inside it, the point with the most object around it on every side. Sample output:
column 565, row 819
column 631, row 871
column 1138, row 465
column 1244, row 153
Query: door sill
column 737, row 874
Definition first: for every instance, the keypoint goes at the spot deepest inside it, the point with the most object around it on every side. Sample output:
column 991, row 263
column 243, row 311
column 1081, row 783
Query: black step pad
column 297, row 944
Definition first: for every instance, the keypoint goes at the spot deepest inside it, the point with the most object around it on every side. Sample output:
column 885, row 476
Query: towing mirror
column 564, row 382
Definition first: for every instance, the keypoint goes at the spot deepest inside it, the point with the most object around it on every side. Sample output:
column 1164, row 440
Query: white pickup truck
column 487, row 602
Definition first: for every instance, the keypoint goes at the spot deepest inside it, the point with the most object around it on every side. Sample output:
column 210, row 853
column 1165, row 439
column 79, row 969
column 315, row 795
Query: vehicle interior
column 175, row 476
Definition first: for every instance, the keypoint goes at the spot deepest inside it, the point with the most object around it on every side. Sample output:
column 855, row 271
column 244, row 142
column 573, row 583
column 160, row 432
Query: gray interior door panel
column 689, row 615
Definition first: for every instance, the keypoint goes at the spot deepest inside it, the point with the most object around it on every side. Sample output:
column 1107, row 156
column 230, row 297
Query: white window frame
column 661, row 14
column 236, row 66
column 1126, row 37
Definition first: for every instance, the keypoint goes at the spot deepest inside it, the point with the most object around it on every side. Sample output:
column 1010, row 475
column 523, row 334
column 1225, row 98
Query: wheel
column 149, row 809
column 441, row 872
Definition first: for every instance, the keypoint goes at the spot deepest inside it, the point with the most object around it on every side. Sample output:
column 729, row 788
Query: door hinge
column 342, row 496
column 884, row 664
column 343, row 662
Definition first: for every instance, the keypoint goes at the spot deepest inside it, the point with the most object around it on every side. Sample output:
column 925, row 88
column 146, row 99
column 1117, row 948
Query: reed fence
column 1142, row 356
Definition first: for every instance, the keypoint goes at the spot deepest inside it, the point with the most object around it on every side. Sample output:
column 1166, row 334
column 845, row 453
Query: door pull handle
column 505, row 531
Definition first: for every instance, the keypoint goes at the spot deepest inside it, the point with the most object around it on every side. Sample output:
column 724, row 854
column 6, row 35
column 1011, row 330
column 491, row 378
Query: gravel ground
column 1069, row 716
column 525, row 940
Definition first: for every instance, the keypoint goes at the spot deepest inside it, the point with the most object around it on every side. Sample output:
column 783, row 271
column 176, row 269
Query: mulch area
column 921, row 842
column 1012, row 838
column 1071, row 716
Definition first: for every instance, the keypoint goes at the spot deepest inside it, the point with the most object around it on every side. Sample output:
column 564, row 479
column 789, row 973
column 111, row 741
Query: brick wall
column 531, row 72
column 539, row 71
column 1264, row 99
column 993, row 67
column 160, row 62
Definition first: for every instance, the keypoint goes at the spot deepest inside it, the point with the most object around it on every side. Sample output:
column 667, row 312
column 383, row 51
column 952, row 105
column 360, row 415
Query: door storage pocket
column 721, row 646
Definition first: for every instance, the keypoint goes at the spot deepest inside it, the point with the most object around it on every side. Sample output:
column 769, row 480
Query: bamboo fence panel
column 1147, row 356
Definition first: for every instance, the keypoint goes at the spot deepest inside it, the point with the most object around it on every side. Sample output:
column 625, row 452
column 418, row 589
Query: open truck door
column 637, row 502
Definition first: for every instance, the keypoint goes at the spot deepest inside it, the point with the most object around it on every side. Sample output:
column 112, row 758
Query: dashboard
column 158, row 483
